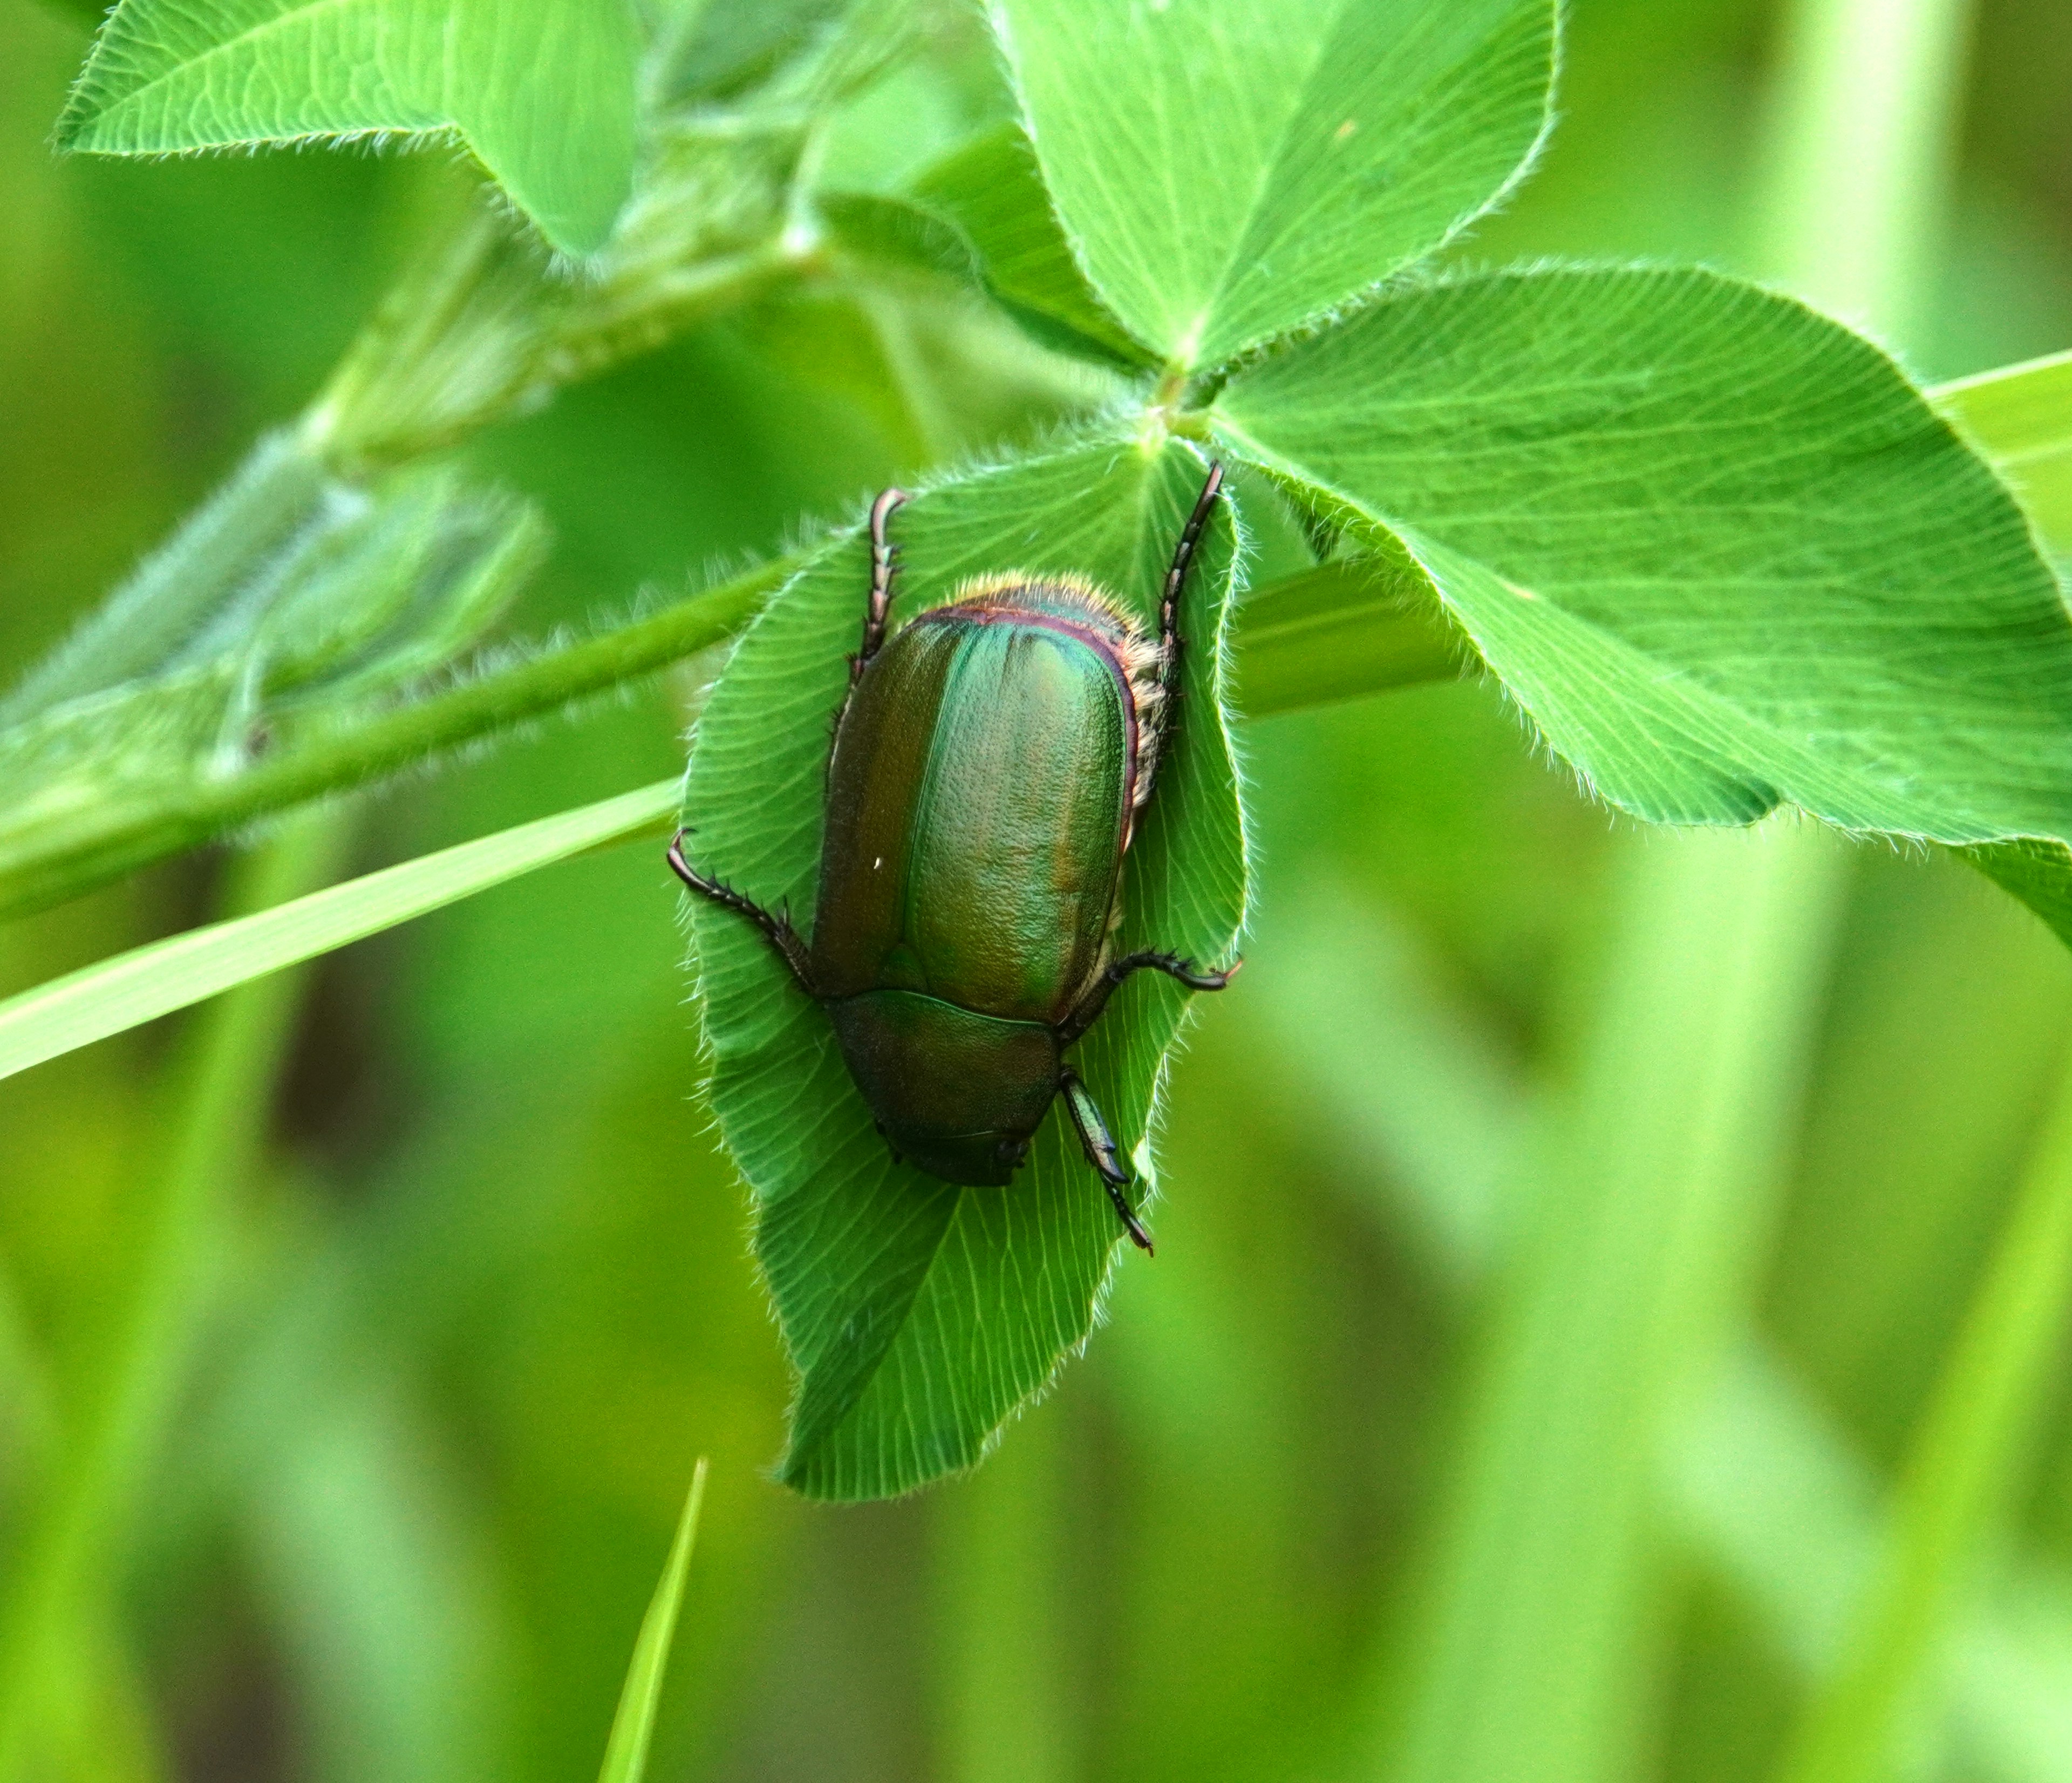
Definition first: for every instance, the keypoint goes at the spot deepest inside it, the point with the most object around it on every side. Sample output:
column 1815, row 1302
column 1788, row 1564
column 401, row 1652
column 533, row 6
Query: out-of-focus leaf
column 889, row 232
column 384, row 1600
column 992, row 188
column 920, row 1315
column 1768, row 1490
column 181, row 587
column 2021, row 416
column 371, row 593
column 543, row 90
column 1960, row 1482
column 784, row 53
column 152, row 981
column 1717, row 546
column 130, row 809
column 1227, row 171
column 483, row 328
column 1651, row 1200
column 633, row 1727
column 2037, row 871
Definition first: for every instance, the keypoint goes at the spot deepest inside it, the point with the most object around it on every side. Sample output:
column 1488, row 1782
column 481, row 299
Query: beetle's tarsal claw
column 1131, row 1223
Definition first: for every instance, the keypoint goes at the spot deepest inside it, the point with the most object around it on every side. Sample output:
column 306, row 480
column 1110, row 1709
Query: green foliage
column 543, row 90
column 1227, row 171
column 1605, row 1278
column 921, row 1315
column 1705, row 538
column 1708, row 541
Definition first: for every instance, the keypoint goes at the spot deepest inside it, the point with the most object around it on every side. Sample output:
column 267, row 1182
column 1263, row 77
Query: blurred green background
column 1566, row 1228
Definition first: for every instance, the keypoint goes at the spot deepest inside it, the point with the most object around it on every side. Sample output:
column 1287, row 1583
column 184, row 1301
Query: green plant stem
column 1336, row 633
column 118, row 840
column 1003, row 1691
column 1333, row 635
column 222, row 1096
column 1958, row 1484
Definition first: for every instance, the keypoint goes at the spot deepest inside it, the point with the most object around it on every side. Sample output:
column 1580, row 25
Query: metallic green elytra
column 990, row 764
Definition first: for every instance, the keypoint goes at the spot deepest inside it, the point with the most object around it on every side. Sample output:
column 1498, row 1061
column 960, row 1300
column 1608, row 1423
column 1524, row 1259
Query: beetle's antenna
column 884, row 559
column 1183, row 555
column 777, row 930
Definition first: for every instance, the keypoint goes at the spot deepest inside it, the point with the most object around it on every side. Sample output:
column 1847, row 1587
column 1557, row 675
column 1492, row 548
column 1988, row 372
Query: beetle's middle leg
column 1095, row 999
column 1102, row 1152
column 776, row 929
column 884, row 560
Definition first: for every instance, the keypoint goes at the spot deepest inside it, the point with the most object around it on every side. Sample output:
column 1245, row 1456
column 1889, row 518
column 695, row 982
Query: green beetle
column 990, row 764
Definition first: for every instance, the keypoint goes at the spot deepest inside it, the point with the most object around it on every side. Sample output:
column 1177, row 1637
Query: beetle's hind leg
column 884, row 562
column 1096, row 1000
column 776, row 929
column 1102, row 1153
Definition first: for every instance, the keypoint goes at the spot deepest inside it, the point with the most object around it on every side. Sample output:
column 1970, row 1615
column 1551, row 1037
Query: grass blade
column 626, row 1751
column 154, row 980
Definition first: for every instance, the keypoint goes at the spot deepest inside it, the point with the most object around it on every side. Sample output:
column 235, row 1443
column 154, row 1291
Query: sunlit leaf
column 149, row 981
column 921, row 1315
column 542, row 89
column 1717, row 546
column 1227, row 171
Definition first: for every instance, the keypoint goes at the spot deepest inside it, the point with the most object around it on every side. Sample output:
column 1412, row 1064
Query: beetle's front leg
column 1096, row 1000
column 776, row 929
column 1102, row 1153
column 884, row 560
column 1176, row 579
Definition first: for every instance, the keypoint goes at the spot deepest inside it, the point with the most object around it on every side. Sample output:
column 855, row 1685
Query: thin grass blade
column 633, row 1727
column 154, row 980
